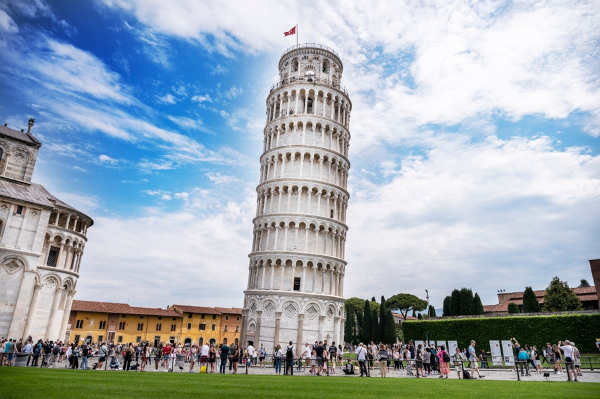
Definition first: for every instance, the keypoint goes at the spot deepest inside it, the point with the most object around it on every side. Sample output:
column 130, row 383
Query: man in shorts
column 306, row 355
column 473, row 359
column 319, row 349
column 569, row 353
column 204, row 350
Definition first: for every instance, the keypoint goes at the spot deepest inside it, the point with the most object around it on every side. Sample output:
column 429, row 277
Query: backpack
column 466, row 375
column 56, row 350
column 446, row 357
column 289, row 354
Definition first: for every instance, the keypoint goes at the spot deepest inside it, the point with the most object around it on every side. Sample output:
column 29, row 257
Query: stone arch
column 312, row 310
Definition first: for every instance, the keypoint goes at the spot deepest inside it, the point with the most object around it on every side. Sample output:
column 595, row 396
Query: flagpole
column 297, row 35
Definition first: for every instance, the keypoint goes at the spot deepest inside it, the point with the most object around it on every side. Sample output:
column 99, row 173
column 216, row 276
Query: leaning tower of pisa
column 296, row 273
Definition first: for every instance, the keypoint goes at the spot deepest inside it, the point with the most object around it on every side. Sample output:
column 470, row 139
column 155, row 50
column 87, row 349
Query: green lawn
column 55, row 383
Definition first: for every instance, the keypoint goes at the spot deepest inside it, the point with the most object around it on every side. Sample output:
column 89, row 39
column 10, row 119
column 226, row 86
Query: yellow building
column 92, row 321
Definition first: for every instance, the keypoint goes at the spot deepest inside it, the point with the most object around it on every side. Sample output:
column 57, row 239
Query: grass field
column 55, row 383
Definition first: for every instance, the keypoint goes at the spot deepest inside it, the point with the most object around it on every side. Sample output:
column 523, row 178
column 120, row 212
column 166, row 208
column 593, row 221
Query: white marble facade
column 296, row 273
column 41, row 244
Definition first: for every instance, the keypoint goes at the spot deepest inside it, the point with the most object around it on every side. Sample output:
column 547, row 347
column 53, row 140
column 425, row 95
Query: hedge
column 583, row 329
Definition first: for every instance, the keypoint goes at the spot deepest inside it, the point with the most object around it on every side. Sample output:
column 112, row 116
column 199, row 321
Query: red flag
column 290, row 32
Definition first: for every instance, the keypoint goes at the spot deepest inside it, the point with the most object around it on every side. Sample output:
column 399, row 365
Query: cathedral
column 42, row 240
column 295, row 289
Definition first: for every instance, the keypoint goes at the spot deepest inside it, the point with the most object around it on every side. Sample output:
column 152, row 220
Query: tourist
column 536, row 359
column 306, row 355
column 145, row 354
column 127, row 357
column 577, row 359
column 103, row 352
column 340, row 355
column 361, row 354
column 473, row 359
column 85, row 351
column 204, row 354
column 332, row 357
column 419, row 360
column 427, row 360
column 409, row 362
column 289, row 358
column 567, row 349
column 223, row 353
column 212, row 357
column 558, row 357
column 277, row 355
column 483, row 359
column 157, row 355
column 262, row 355
column 458, row 359
column 320, row 354
column 383, row 356
column 522, row 360
column 251, row 354
column 235, row 357
column 443, row 360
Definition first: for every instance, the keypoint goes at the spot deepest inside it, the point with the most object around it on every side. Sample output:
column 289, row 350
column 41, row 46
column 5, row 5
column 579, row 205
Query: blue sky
column 475, row 128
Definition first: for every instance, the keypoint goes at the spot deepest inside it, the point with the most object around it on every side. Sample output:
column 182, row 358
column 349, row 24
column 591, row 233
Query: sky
column 474, row 152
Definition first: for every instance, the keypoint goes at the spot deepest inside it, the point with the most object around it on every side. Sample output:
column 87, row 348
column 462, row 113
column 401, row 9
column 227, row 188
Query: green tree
column 404, row 303
column 356, row 306
column 513, row 308
column 365, row 328
column 432, row 311
column 382, row 320
column 477, row 305
column 559, row 297
column 455, row 303
column 375, row 334
column 389, row 332
column 466, row 302
column 420, row 317
column 350, row 326
column 584, row 283
column 447, row 304
column 530, row 302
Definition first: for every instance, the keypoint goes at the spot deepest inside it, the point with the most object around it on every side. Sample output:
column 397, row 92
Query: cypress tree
column 350, row 326
column 365, row 328
column 382, row 320
column 455, row 304
column 447, row 306
column 389, row 334
column 530, row 302
column 513, row 308
column 477, row 305
column 375, row 334
column 466, row 301
column 432, row 311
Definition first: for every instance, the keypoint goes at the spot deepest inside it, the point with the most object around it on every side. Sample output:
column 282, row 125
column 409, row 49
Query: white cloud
column 204, row 244
column 107, row 159
column 167, row 99
column 202, row 98
column 219, row 178
column 6, row 23
column 477, row 215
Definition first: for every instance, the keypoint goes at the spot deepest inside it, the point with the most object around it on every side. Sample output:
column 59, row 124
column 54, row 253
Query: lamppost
column 427, row 292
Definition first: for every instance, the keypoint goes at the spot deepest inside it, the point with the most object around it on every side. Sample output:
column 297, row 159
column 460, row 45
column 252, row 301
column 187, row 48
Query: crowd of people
column 320, row 358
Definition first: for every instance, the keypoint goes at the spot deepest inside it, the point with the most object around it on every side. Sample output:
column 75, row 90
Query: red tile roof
column 195, row 309
column 585, row 294
column 120, row 308
column 237, row 311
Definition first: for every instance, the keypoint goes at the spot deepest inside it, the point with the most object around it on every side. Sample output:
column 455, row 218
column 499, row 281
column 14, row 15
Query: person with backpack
column 382, row 356
column 289, row 358
column 332, row 357
column 103, row 353
column 444, row 361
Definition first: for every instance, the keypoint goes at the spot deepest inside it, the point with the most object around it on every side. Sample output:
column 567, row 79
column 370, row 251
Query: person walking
column 473, row 359
column 444, row 361
column 361, row 354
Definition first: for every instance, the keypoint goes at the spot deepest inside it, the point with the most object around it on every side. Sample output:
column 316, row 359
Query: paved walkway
column 490, row 374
